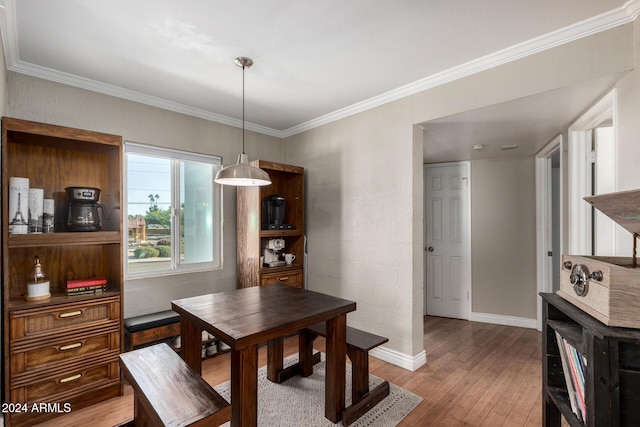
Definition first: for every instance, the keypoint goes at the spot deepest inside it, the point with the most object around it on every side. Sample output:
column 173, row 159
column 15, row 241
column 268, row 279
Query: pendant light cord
column 243, row 109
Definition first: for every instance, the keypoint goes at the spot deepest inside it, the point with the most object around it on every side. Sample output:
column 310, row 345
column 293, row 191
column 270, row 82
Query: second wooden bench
column 358, row 345
column 169, row 393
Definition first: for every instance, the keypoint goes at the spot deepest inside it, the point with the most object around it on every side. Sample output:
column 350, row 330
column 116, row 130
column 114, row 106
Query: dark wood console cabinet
column 61, row 350
column 612, row 375
column 286, row 181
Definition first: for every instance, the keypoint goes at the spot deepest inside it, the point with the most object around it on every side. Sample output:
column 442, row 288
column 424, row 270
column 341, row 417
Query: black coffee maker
column 273, row 210
column 83, row 209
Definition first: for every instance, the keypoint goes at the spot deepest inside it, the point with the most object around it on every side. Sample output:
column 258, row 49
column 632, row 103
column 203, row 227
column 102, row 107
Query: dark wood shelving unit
column 612, row 375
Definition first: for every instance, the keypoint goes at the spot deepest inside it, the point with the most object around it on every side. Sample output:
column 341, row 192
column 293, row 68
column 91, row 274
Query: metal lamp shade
column 242, row 174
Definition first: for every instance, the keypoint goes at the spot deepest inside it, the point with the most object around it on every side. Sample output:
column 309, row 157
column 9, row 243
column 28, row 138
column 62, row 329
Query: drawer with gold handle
column 291, row 278
column 59, row 319
column 47, row 387
column 49, row 354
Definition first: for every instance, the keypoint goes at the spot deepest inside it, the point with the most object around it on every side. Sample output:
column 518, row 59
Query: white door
column 447, row 240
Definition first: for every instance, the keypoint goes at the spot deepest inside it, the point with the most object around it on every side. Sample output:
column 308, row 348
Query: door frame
column 544, row 220
column 466, row 225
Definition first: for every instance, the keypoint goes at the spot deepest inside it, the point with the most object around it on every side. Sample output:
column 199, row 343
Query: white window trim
column 130, row 147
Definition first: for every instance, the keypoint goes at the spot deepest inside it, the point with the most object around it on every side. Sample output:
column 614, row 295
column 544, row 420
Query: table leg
column 305, row 353
column 336, row 345
column 275, row 354
column 190, row 351
column 244, row 387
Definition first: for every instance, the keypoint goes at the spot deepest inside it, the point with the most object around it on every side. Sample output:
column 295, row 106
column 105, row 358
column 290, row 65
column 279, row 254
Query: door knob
column 430, row 248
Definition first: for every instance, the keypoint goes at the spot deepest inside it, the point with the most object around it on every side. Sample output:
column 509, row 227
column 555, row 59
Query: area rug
column 300, row 401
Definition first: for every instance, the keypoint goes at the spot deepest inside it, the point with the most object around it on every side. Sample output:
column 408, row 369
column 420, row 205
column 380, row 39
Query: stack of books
column 86, row 286
column 574, row 366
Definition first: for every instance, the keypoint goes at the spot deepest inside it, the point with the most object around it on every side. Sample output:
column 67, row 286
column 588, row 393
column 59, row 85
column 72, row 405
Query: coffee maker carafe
column 83, row 209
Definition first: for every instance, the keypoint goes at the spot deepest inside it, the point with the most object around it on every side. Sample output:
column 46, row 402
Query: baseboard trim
column 405, row 361
column 499, row 319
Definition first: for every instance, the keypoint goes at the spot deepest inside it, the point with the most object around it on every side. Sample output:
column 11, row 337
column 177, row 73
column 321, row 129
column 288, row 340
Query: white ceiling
column 315, row 61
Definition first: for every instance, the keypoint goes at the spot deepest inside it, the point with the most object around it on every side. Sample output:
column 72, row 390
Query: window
column 173, row 211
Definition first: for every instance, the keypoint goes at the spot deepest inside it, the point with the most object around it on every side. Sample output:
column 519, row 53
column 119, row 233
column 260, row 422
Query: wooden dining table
column 246, row 318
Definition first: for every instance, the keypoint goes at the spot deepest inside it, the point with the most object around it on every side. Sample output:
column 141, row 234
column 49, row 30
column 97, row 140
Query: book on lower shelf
column 573, row 367
column 83, row 283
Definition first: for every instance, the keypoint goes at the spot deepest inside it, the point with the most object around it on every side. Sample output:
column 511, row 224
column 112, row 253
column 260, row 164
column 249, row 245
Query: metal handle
column 282, row 279
column 70, row 314
column 596, row 275
column 70, row 346
column 71, row 378
column 430, row 248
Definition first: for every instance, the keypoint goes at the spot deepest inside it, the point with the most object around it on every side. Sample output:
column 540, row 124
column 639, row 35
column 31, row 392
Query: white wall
column 38, row 100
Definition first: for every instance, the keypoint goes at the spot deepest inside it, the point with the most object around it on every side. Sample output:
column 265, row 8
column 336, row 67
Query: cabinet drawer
column 58, row 386
column 291, row 278
column 60, row 319
column 50, row 354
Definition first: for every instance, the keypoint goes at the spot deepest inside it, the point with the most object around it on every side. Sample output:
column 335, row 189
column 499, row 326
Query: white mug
column 289, row 258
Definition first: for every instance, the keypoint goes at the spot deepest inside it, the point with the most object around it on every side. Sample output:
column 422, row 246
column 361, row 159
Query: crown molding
column 118, row 92
column 613, row 18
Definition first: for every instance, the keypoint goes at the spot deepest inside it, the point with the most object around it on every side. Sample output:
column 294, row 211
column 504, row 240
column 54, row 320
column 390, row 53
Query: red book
column 83, row 283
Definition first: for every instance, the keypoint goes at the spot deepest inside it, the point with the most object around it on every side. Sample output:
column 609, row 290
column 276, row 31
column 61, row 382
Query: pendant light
column 242, row 174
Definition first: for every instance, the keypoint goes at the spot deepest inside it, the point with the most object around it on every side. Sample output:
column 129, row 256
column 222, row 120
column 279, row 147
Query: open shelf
column 612, row 374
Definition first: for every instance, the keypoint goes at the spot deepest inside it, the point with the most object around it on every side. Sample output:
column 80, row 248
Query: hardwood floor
column 477, row 374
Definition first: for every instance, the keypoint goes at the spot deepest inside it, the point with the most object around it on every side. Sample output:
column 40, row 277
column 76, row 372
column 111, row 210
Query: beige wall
column 628, row 155
column 361, row 176
column 503, row 237
column 358, row 210
column 35, row 99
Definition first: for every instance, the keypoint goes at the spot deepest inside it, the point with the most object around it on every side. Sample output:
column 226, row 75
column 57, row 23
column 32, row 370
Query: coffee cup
column 289, row 258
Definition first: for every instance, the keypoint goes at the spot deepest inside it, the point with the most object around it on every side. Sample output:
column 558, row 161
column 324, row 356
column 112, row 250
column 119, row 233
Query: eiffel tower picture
column 18, row 219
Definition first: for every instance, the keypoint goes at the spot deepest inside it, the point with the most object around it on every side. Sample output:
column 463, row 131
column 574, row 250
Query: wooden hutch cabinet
column 62, row 350
column 286, row 181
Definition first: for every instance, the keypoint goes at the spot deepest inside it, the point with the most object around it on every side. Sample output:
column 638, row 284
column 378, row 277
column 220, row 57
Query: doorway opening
column 548, row 217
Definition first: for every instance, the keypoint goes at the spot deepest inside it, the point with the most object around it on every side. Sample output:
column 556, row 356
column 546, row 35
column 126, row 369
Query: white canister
column 36, row 200
column 18, row 205
column 47, row 216
column 38, row 290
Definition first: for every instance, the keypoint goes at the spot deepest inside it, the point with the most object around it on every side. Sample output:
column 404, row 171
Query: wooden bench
column 150, row 328
column 169, row 393
column 358, row 345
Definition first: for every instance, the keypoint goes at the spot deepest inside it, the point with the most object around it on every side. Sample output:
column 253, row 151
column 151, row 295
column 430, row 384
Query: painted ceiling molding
column 613, row 18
